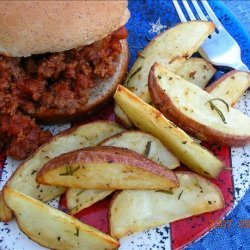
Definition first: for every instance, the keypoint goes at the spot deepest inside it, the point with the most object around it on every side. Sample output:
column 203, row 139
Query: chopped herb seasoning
column 209, row 202
column 70, row 171
column 184, row 142
column 80, row 192
column 34, row 171
column 180, row 194
column 198, row 184
column 134, row 73
column 159, row 77
column 147, row 148
column 77, row 232
column 58, row 238
column 165, row 191
column 214, row 107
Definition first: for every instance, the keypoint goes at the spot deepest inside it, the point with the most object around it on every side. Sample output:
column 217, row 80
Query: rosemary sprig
column 134, row 73
column 214, row 107
column 147, row 148
column 69, row 170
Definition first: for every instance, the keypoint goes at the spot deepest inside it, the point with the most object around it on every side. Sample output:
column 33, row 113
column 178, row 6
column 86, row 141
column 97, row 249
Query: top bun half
column 36, row 27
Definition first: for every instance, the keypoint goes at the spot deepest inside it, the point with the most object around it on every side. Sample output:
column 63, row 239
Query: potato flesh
column 230, row 87
column 192, row 102
column 52, row 228
column 107, row 176
column 24, row 178
column 176, row 140
column 175, row 43
column 147, row 209
column 144, row 143
column 78, row 199
column 197, row 71
column 137, row 141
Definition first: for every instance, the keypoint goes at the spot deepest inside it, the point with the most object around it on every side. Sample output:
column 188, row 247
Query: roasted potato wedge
column 196, row 111
column 5, row 212
column 171, row 48
column 106, row 168
column 52, row 228
column 78, row 199
column 24, row 178
column 176, row 140
column 231, row 86
column 146, row 144
column 197, row 71
column 137, row 210
column 137, row 141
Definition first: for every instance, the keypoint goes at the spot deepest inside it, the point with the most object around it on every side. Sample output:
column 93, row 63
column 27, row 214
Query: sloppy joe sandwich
column 60, row 60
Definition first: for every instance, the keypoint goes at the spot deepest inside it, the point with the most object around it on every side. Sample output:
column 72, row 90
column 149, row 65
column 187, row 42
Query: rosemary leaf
column 80, row 192
column 165, row 191
column 147, row 148
column 69, row 170
column 214, row 107
column 180, row 194
column 198, row 184
column 134, row 73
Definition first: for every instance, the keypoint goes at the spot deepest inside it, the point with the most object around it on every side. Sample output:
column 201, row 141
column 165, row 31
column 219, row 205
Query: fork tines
column 199, row 13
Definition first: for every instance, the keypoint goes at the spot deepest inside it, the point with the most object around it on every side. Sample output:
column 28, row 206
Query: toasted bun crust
column 36, row 27
column 99, row 95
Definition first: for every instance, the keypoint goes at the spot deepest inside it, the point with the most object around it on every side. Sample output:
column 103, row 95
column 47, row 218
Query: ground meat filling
column 50, row 81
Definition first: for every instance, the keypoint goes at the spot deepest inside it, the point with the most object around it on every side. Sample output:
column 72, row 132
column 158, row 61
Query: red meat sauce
column 54, row 80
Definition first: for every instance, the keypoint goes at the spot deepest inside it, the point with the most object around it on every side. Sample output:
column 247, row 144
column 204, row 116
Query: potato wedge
column 78, row 199
column 5, row 212
column 147, row 209
column 231, row 86
column 197, row 71
column 171, row 48
column 176, row 140
column 146, row 144
column 196, row 111
column 24, row 178
column 52, row 228
column 137, row 141
column 107, row 168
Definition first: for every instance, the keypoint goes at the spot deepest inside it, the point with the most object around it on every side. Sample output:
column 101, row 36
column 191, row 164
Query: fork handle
column 241, row 66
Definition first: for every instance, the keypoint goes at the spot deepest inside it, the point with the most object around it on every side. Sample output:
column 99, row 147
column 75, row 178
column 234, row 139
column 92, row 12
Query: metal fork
column 220, row 48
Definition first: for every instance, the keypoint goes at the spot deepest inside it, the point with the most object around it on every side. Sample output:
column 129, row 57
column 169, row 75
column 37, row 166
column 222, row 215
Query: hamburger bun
column 37, row 27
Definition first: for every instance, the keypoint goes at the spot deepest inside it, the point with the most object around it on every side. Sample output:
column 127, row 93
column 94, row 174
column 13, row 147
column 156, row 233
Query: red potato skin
column 202, row 132
column 211, row 87
column 103, row 154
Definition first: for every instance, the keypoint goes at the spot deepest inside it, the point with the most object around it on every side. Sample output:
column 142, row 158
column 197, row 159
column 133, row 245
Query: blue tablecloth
column 146, row 12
